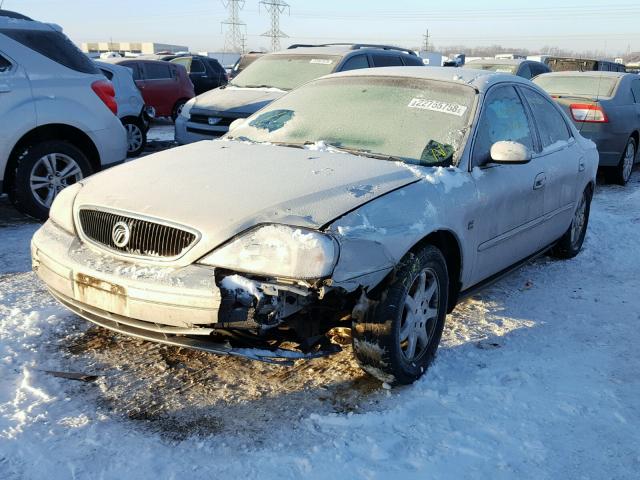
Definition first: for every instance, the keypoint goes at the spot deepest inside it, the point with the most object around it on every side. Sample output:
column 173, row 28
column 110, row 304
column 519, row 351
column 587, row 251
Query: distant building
column 94, row 49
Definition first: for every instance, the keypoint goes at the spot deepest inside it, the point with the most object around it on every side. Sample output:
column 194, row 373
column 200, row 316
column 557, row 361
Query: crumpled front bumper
column 181, row 297
column 174, row 306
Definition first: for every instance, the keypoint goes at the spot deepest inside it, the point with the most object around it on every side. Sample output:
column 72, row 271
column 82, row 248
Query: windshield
column 589, row 86
column 285, row 72
column 416, row 121
column 493, row 67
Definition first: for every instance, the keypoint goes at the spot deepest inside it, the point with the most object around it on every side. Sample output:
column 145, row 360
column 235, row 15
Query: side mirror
column 510, row 153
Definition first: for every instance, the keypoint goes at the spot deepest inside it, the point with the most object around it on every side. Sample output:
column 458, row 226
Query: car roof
column 481, row 80
column 498, row 61
column 589, row 73
column 15, row 15
column 17, row 21
column 117, row 60
column 113, row 67
column 340, row 50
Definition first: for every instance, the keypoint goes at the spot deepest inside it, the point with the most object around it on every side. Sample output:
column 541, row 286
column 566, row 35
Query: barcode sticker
column 437, row 106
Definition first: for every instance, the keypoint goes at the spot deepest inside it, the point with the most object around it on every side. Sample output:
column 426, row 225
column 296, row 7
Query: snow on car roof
column 479, row 79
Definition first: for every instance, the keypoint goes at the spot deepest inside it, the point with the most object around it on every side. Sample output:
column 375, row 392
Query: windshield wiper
column 364, row 153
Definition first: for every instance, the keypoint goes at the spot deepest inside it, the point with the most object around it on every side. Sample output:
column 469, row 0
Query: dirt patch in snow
column 181, row 393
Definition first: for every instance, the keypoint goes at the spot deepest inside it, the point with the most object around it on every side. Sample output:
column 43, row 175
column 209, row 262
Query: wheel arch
column 45, row 133
column 449, row 244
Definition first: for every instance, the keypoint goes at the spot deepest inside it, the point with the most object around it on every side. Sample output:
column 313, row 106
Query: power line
column 275, row 8
column 233, row 40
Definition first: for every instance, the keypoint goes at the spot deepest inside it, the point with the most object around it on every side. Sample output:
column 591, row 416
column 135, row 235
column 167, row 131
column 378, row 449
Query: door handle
column 540, row 181
column 4, row 88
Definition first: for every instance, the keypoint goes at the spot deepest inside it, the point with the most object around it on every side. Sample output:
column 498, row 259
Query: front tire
column 42, row 171
column 571, row 242
column 396, row 338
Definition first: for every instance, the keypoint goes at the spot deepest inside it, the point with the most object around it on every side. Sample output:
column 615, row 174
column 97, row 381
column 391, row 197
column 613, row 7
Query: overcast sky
column 588, row 25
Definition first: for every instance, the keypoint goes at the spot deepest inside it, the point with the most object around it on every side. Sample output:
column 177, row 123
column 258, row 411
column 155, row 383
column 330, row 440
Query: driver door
column 510, row 203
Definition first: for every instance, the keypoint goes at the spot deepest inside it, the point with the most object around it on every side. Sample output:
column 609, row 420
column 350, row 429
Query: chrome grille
column 147, row 238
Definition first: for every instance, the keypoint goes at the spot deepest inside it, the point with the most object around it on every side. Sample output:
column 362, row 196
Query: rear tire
column 177, row 108
column 136, row 136
column 571, row 242
column 42, row 171
column 395, row 339
column 622, row 172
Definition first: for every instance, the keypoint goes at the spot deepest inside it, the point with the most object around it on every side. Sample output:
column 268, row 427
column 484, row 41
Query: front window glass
column 285, row 72
column 503, row 119
column 589, row 85
column 5, row 65
column 416, row 121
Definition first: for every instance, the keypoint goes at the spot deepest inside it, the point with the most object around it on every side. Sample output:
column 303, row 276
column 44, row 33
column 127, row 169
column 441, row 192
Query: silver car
column 58, row 114
column 371, row 200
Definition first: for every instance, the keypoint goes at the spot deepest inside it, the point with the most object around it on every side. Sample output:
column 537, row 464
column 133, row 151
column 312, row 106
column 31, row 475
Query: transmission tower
column 233, row 38
column 275, row 9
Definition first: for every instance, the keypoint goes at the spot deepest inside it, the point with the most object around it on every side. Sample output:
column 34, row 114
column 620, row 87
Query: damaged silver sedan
column 371, row 200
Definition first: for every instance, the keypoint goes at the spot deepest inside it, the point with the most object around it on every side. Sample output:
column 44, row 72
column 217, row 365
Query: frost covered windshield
column 590, row 86
column 285, row 72
column 493, row 67
column 413, row 120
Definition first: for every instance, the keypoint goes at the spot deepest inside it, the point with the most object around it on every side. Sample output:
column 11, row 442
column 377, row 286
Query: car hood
column 245, row 101
column 221, row 188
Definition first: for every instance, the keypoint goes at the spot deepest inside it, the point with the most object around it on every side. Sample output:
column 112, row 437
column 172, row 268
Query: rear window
column 5, row 65
column 493, row 67
column 107, row 73
column 387, row 61
column 590, row 86
column 157, row 71
column 55, row 46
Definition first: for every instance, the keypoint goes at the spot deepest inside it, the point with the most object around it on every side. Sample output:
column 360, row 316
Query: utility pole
column 233, row 39
column 244, row 44
column 275, row 8
column 426, row 37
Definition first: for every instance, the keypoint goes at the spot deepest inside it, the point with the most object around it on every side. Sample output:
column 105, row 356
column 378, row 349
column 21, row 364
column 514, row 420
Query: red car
column 165, row 86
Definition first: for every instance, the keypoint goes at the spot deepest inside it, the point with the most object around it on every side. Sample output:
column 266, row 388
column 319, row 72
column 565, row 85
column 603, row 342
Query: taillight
column 104, row 90
column 588, row 113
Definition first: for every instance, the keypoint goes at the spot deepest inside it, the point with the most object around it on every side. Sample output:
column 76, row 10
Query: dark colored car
column 569, row 64
column 523, row 68
column 165, row 86
column 243, row 62
column 205, row 73
column 605, row 106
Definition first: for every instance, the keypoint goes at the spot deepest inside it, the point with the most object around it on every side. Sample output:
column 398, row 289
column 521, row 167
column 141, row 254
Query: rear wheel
column 43, row 170
column 571, row 242
column 136, row 136
column 396, row 339
column 177, row 108
column 622, row 172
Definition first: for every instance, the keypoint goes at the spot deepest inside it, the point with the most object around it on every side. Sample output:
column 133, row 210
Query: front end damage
column 272, row 320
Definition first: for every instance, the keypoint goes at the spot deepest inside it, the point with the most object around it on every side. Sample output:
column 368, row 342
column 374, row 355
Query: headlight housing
column 61, row 212
column 186, row 108
column 278, row 251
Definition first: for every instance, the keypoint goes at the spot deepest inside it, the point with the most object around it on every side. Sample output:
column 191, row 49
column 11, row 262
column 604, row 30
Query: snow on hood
column 237, row 100
column 222, row 188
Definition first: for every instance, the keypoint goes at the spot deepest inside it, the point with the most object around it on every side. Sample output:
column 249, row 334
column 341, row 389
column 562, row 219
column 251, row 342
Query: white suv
column 58, row 120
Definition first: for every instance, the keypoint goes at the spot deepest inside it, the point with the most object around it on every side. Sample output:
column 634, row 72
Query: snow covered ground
column 537, row 377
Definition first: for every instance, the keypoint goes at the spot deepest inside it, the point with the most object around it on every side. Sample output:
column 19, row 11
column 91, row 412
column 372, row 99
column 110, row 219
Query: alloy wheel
column 134, row 137
column 577, row 226
column 50, row 174
column 419, row 315
column 627, row 161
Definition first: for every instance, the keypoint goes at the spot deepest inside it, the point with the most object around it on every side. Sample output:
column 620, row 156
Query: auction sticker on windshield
column 322, row 61
column 436, row 106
